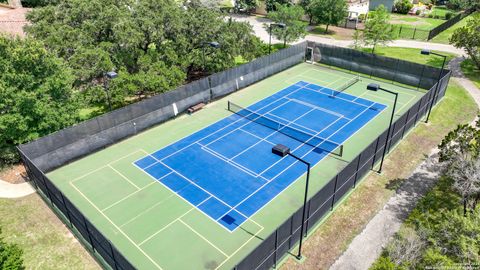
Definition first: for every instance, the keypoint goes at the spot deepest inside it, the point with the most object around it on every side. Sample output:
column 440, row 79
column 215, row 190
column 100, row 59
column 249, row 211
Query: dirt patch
column 15, row 174
column 13, row 21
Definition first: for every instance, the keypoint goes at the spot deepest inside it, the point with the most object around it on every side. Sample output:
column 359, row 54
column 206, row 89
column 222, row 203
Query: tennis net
column 319, row 143
column 346, row 85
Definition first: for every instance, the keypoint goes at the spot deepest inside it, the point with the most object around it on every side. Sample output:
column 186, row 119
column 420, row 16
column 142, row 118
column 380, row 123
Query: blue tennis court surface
column 227, row 170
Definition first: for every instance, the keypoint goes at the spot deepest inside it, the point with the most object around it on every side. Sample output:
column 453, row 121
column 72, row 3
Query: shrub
column 417, row 12
column 448, row 15
column 361, row 17
column 436, row 17
column 383, row 263
column 403, row 6
column 430, row 15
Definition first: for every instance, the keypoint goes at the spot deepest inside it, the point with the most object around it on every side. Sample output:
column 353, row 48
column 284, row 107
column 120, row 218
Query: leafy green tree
column 305, row 4
column 11, row 256
column 403, row 6
column 141, row 40
column 468, row 38
column 460, row 152
column 35, row 94
column 246, row 5
column 291, row 16
column 329, row 12
column 271, row 5
column 378, row 30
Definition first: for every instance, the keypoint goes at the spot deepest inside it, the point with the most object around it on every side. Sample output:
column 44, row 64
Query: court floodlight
column 376, row 87
column 282, row 150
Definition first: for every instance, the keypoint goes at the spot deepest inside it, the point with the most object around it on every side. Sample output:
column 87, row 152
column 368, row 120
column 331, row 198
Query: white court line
column 124, row 177
column 279, row 131
column 164, row 227
column 105, row 166
column 225, row 159
column 315, row 107
column 176, row 193
column 204, row 238
column 260, row 188
column 351, row 101
column 126, row 197
column 118, row 228
column 218, row 130
column 314, row 165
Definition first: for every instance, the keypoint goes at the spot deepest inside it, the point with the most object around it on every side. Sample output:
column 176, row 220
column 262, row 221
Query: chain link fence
column 60, row 148
column 57, row 149
column 285, row 237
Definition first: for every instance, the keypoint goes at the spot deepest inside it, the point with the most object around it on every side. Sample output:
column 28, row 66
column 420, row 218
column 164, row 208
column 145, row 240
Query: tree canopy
column 154, row 45
column 328, row 12
column 378, row 30
column 35, row 94
column 291, row 16
column 468, row 38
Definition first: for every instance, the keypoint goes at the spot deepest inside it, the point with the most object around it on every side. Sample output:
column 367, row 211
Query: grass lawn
column 411, row 54
column 442, row 11
column 46, row 242
column 471, row 72
column 350, row 218
column 444, row 37
column 415, row 21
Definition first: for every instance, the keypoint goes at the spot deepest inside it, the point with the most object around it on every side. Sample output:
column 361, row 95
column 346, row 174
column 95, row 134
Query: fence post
column 414, row 32
column 356, row 171
column 400, row 32
column 275, row 251
column 66, row 209
column 334, row 192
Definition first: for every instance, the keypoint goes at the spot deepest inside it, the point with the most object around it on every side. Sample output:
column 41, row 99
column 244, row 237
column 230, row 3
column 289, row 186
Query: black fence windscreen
column 62, row 147
column 322, row 202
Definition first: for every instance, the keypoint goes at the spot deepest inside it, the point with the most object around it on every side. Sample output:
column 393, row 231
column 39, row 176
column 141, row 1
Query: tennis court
column 227, row 170
column 202, row 191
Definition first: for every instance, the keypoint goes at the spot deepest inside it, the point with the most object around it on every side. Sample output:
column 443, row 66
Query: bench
column 195, row 108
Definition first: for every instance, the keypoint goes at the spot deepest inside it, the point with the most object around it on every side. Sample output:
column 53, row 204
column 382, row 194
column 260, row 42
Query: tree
column 329, row 12
column 403, row 6
column 460, row 153
column 271, row 5
column 36, row 96
column 154, row 45
column 245, row 5
column 357, row 36
column 468, row 38
column 291, row 16
column 378, row 30
column 10, row 256
column 305, row 4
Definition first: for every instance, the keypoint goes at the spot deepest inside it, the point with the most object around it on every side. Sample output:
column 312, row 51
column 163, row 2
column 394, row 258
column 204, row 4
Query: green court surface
column 156, row 229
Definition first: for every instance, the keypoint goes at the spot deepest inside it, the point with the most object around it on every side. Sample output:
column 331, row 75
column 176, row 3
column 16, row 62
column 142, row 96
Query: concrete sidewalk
column 12, row 191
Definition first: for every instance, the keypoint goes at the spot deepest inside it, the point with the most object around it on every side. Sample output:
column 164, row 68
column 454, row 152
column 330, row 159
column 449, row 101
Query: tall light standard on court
column 109, row 76
column 282, row 150
column 212, row 44
column 376, row 87
column 435, row 93
column 279, row 25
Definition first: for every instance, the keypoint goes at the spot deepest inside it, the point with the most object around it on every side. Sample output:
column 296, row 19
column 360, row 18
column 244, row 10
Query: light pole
column 435, row 92
column 376, row 87
column 279, row 25
column 212, row 44
column 109, row 76
column 282, row 150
